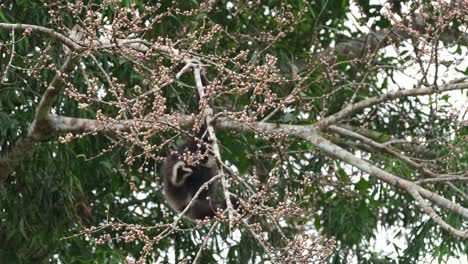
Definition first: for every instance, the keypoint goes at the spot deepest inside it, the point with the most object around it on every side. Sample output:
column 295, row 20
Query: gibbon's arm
column 201, row 209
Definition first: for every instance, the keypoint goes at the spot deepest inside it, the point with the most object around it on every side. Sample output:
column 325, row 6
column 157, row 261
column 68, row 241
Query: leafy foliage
column 44, row 203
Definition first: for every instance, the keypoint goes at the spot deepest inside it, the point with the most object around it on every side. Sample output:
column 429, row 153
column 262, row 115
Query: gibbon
column 182, row 180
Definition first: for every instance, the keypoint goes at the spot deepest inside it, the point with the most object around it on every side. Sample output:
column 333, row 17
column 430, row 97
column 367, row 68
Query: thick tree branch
column 17, row 153
column 63, row 124
column 432, row 213
column 40, row 127
column 354, row 108
column 389, row 150
column 308, row 133
column 369, row 43
column 401, row 144
column 54, row 89
column 69, row 42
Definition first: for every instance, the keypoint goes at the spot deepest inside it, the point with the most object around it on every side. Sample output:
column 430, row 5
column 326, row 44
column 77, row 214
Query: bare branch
column 40, row 126
column 4, row 75
column 353, row 108
column 208, row 115
column 442, row 179
column 42, row 110
column 65, row 40
column 389, row 150
column 402, row 144
column 205, row 240
column 431, row 212
column 370, row 43
column 310, row 134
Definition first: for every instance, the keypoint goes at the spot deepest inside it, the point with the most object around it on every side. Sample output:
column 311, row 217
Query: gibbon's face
column 180, row 172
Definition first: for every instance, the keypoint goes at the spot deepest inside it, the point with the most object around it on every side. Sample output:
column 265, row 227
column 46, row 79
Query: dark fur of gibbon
column 182, row 181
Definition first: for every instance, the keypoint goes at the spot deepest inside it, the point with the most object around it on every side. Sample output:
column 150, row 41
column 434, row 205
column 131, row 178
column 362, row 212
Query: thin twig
column 205, row 240
column 5, row 74
column 442, row 179
column 260, row 241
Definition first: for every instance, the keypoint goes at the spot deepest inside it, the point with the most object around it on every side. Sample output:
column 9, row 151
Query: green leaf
column 22, row 228
column 363, row 186
column 445, row 97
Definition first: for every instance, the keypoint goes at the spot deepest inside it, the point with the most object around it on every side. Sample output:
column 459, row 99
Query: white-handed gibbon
column 182, row 180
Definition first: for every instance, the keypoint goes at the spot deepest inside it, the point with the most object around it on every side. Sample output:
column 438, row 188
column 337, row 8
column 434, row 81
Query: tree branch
column 69, row 42
column 389, row 150
column 308, row 133
column 369, row 43
column 48, row 98
column 442, row 179
column 402, row 144
column 40, row 126
column 353, row 108
column 432, row 213
column 208, row 115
